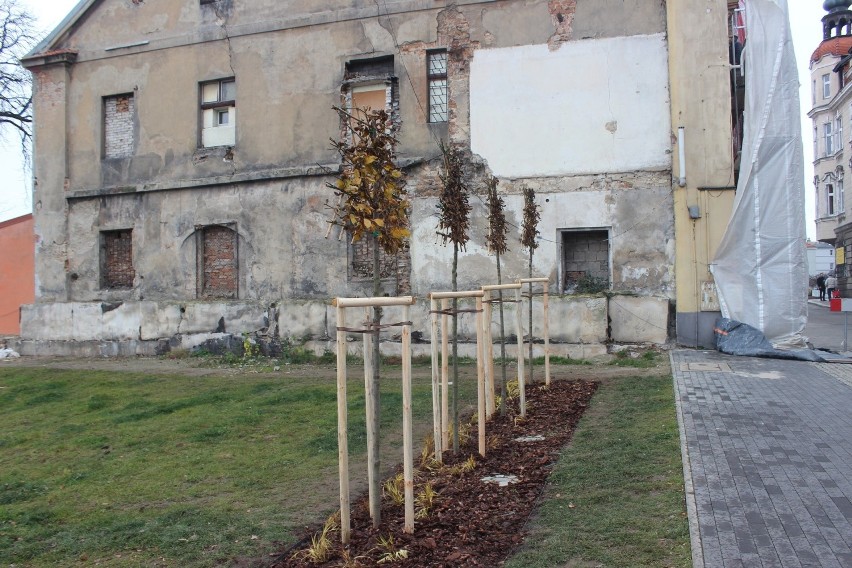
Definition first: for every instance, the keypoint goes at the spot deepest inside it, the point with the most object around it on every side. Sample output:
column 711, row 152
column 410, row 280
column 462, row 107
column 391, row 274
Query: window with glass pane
column 829, row 138
column 438, row 87
column 218, row 110
column 826, row 86
column 829, row 194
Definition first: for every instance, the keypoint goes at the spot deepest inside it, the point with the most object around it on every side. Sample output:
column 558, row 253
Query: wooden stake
column 342, row 418
column 546, row 337
column 436, row 392
column 480, row 376
column 374, row 491
column 519, row 331
column 407, row 442
column 445, row 375
column 489, row 355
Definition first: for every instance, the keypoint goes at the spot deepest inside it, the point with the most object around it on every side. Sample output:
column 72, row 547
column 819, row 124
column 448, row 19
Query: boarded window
column 438, row 87
column 119, row 116
column 585, row 261
column 218, row 263
column 117, row 259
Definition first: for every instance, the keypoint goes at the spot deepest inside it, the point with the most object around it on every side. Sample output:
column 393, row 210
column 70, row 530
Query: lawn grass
column 616, row 496
column 133, row 470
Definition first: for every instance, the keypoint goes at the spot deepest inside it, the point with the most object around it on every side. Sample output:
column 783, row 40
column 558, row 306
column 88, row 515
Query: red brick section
column 17, row 262
column 396, row 267
column 118, row 259
column 220, row 263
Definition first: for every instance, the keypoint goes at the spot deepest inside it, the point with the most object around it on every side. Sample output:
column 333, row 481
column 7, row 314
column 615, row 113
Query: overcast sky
column 805, row 15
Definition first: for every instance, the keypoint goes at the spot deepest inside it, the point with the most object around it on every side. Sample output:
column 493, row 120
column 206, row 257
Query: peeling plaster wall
column 288, row 58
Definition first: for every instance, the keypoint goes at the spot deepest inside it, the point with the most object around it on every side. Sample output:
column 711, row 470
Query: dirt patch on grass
column 470, row 522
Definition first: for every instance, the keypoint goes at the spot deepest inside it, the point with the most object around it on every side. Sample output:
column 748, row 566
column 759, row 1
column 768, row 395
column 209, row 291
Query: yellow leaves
column 371, row 186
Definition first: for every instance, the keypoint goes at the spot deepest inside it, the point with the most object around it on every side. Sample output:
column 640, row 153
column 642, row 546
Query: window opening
column 829, row 194
column 218, row 113
column 438, row 85
column 829, row 138
column 218, row 262
column 117, row 259
column 585, row 261
column 826, row 86
column 119, row 111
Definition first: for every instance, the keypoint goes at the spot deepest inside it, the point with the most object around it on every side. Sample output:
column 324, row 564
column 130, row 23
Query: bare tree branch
column 17, row 37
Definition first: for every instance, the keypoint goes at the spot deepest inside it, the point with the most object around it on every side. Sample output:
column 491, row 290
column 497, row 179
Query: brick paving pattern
column 768, row 455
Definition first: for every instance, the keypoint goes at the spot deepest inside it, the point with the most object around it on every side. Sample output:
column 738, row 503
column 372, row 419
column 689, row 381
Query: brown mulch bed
column 471, row 522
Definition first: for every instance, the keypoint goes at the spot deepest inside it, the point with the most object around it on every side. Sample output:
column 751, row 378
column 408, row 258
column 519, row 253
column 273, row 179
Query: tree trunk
column 502, row 342
column 455, row 351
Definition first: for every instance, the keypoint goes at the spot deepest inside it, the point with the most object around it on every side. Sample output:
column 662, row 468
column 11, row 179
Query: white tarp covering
column 760, row 267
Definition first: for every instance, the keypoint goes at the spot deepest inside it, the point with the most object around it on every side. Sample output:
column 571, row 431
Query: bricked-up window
column 218, row 113
column 218, row 263
column 119, row 116
column 395, row 268
column 585, row 260
column 117, row 259
column 438, row 88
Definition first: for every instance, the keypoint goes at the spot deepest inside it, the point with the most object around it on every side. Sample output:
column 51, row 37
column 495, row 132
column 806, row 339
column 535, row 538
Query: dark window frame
column 442, row 115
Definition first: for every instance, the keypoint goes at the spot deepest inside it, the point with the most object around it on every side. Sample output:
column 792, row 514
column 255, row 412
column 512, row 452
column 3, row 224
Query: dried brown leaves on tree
column 532, row 215
column 371, row 188
column 454, row 203
column 495, row 240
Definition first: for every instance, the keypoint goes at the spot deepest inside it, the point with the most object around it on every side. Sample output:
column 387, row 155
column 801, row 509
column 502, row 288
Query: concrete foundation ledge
column 124, row 348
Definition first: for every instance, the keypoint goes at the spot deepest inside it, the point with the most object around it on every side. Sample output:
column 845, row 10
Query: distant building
column 16, row 271
column 831, row 113
column 820, row 257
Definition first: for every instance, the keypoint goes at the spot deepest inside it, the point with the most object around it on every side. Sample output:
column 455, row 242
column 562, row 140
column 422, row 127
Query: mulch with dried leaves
column 470, row 522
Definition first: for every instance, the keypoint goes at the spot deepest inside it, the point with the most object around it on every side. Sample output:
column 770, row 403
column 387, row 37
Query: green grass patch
column 178, row 470
column 616, row 496
column 646, row 360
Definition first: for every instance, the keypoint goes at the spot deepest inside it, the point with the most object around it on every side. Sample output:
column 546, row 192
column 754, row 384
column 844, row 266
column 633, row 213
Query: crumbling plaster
column 268, row 186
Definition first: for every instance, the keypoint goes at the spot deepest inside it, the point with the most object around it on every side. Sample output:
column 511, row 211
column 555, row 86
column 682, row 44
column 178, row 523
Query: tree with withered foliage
column 372, row 204
column 529, row 239
column 454, row 226
column 495, row 240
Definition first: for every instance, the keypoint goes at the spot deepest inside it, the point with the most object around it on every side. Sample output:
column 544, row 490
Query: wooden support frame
column 489, row 343
column 445, row 298
column 341, row 304
column 545, row 323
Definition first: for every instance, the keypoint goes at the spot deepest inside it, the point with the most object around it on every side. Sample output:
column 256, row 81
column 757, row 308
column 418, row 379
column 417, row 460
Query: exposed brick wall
column 117, row 259
column 119, row 112
column 396, row 267
column 219, row 262
column 584, row 253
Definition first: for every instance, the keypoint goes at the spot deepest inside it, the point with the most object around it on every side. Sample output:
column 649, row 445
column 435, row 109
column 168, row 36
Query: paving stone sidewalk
column 767, row 448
